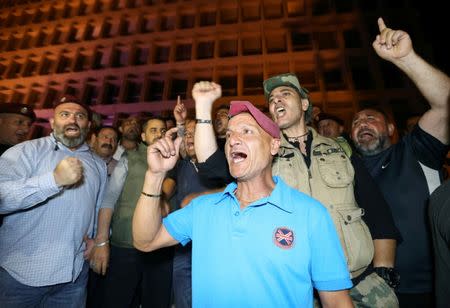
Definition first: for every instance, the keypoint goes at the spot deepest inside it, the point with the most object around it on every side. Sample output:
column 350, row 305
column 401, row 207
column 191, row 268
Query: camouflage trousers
column 371, row 292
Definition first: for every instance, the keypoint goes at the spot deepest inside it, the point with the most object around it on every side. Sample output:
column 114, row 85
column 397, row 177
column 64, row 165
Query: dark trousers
column 416, row 300
column 182, row 276
column 136, row 277
column 95, row 290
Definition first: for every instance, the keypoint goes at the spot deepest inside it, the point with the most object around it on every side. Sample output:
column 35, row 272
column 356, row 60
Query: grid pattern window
column 141, row 54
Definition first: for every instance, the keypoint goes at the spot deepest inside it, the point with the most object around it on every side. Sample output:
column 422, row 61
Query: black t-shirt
column 214, row 171
column 403, row 184
column 3, row 148
column 378, row 216
column 439, row 211
column 187, row 181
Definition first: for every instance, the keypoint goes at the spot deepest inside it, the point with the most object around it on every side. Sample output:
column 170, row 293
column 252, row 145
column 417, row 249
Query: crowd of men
column 279, row 210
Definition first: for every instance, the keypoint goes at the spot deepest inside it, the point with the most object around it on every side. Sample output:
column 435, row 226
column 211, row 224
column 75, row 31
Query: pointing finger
column 381, row 24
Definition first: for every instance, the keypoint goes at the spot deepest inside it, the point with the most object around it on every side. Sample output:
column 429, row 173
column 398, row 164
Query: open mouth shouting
column 106, row 146
column 72, row 130
column 237, row 157
column 280, row 111
column 366, row 134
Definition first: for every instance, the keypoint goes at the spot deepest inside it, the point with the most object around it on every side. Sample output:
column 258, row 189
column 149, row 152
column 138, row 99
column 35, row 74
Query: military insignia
column 24, row 110
column 283, row 237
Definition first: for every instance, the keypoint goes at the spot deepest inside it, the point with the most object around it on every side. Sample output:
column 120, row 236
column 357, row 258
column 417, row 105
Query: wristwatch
column 389, row 274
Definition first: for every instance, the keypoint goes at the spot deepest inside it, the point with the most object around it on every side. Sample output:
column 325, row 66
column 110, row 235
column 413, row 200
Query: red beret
column 18, row 108
column 269, row 126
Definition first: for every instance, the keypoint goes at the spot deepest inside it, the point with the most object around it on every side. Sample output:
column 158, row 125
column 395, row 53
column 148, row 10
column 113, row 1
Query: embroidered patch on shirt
column 283, row 237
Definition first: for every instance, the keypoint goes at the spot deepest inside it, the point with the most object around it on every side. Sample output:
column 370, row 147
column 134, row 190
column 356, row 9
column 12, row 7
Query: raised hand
column 180, row 112
column 163, row 154
column 206, row 92
column 69, row 171
column 392, row 45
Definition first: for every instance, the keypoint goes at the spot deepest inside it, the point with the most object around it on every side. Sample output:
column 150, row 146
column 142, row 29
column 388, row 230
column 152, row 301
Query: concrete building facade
column 137, row 56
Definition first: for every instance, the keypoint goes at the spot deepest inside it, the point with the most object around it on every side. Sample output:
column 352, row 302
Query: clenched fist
column 206, row 92
column 69, row 171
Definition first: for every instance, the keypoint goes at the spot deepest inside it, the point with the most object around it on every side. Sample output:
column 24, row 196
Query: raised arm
column 204, row 94
column 180, row 115
column 148, row 232
column 396, row 46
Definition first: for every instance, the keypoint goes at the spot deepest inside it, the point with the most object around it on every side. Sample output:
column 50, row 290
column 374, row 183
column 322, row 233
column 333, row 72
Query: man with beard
column 132, row 278
column 255, row 243
column 319, row 166
column 407, row 172
column 130, row 136
column 49, row 189
column 15, row 123
column 105, row 144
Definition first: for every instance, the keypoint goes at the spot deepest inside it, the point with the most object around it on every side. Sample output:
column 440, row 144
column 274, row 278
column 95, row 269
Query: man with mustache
column 15, row 123
column 130, row 136
column 105, row 141
column 132, row 278
column 255, row 242
column 49, row 190
column 407, row 172
column 319, row 166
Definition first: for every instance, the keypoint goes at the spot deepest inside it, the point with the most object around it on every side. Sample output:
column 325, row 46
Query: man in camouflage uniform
column 318, row 166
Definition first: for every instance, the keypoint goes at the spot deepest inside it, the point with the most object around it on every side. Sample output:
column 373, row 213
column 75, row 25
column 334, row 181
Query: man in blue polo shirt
column 257, row 242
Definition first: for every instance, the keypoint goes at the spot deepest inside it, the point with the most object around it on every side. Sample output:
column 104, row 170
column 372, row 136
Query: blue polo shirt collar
column 275, row 197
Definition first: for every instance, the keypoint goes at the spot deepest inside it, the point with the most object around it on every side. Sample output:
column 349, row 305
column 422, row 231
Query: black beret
column 18, row 108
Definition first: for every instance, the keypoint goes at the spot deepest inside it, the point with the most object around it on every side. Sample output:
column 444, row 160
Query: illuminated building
column 131, row 56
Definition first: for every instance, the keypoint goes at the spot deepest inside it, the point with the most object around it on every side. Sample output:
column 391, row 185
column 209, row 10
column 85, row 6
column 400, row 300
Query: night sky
column 435, row 21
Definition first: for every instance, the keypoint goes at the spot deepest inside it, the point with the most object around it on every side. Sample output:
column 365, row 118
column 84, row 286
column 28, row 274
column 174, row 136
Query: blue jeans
column 182, row 277
column 64, row 295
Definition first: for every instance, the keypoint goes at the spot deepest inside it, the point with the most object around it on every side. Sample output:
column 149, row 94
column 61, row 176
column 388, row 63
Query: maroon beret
column 67, row 98
column 269, row 126
column 18, row 108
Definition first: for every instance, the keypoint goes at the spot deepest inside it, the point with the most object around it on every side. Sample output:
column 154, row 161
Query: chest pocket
column 337, row 173
column 292, row 170
column 333, row 165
